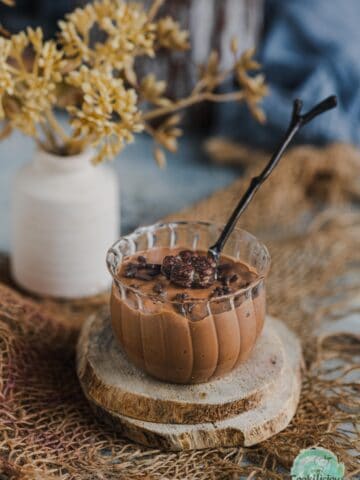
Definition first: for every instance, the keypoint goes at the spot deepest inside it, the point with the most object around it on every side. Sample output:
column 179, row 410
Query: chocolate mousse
column 184, row 318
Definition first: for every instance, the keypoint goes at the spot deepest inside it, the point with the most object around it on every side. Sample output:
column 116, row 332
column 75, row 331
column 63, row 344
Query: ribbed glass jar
column 190, row 345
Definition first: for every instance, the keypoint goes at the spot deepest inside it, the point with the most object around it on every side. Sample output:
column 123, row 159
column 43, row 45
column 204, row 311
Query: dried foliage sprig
column 95, row 56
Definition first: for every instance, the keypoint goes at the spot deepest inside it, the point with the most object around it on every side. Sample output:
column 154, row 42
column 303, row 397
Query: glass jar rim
column 145, row 229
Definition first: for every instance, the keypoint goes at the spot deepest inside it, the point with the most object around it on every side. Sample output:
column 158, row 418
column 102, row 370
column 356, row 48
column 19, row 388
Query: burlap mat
column 306, row 215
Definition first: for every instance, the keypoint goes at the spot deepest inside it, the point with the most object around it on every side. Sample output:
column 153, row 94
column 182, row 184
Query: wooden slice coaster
column 110, row 380
column 269, row 416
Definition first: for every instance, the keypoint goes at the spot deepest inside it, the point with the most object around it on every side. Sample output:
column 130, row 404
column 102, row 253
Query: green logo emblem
column 317, row 464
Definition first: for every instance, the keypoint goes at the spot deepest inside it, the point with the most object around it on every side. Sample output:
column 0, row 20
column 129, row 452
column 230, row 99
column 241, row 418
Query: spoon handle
column 296, row 122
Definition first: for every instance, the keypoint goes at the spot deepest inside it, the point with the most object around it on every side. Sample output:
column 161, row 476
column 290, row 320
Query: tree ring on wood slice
column 110, row 380
column 270, row 416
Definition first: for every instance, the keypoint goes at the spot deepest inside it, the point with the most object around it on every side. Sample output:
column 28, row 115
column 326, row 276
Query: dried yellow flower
column 210, row 71
column 170, row 35
column 27, row 89
column 108, row 115
column 152, row 90
column 93, row 62
column 254, row 87
column 167, row 133
column 160, row 157
column 234, row 46
column 122, row 32
column 6, row 80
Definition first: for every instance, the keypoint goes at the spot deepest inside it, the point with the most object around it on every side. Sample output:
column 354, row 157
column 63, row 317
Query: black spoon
column 297, row 121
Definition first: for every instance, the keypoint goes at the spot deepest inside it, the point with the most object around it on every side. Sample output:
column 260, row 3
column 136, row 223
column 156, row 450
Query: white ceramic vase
column 65, row 214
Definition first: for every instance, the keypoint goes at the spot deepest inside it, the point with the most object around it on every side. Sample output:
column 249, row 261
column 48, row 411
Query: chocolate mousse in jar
column 176, row 313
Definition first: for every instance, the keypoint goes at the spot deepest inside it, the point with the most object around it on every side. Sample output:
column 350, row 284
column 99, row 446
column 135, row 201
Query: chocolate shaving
column 224, row 267
column 220, row 291
column 153, row 269
column 184, row 308
column 142, row 276
column 256, row 290
column 181, row 297
column 130, row 270
column 182, row 305
column 141, row 259
column 142, row 270
column 158, row 288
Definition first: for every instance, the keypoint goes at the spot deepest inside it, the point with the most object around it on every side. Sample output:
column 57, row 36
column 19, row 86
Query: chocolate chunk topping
column 168, row 263
column 181, row 297
column 130, row 271
column 182, row 275
column 142, row 276
column 181, row 307
column 189, row 269
column 224, row 267
column 227, row 279
column 256, row 290
column 186, row 255
column 153, row 266
column 205, row 271
column 141, row 259
column 158, row 288
column 226, row 274
column 220, row 291
column 142, row 270
column 153, row 269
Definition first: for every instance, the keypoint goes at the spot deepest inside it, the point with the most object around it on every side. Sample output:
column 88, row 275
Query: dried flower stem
column 192, row 100
column 55, row 125
column 50, row 137
column 217, row 80
column 5, row 131
column 153, row 10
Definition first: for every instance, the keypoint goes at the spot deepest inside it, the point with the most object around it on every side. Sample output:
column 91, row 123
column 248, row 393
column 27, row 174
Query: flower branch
column 192, row 100
column 96, row 84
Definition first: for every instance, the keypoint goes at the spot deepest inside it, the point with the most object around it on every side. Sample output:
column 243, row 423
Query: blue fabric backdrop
column 310, row 49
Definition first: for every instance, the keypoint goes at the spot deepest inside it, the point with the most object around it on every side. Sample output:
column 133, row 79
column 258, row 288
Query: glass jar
column 175, row 343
